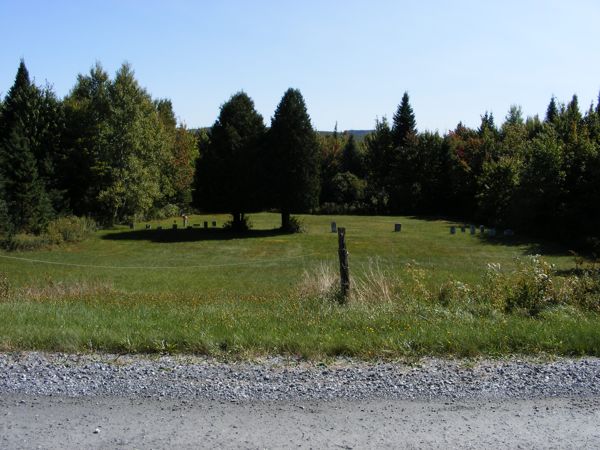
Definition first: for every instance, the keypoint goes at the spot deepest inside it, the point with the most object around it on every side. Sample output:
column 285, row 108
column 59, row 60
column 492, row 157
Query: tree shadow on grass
column 190, row 235
column 531, row 246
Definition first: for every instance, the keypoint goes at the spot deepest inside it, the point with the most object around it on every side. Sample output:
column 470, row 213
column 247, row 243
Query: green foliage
column 293, row 158
column 532, row 288
column 27, row 206
column 70, row 229
column 228, row 172
column 404, row 127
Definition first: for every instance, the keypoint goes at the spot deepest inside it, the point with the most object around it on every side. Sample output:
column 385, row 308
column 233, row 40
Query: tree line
column 110, row 151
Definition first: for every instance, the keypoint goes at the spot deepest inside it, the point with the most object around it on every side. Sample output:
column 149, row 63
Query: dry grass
column 73, row 290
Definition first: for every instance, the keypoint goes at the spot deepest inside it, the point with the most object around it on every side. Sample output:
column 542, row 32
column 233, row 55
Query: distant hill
column 358, row 134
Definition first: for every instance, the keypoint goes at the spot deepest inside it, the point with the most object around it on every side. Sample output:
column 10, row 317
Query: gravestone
column 492, row 232
column 205, row 224
column 481, row 229
column 214, row 223
column 472, row 229
column 397, row 227
column 333, row 227
column 452, row 230
column 509, row 233
column 462, row 229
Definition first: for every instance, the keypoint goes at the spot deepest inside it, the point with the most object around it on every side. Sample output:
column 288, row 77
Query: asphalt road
column 117, row 422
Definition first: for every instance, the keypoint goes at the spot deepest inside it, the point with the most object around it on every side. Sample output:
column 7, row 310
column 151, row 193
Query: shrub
column 26, row 242
column 533, row 288
column 70, row 229
column 164, row 212
column 296, row 225
column 583, row 291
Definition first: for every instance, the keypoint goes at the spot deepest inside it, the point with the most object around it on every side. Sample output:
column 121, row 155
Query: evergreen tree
column 487, row 127
column 379, row 151
column 551, row 111
column 87, row 139
column 352, row 158
column 404, row 125
column 25, row 201
column 228, row 173
column 294, row 158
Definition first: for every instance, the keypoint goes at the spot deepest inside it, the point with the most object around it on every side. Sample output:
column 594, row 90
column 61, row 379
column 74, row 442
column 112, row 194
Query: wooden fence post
column 344, row 272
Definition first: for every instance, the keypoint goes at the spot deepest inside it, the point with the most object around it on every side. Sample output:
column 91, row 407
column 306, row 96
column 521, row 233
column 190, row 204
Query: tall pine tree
column 294, row 158
column 228, row 173
column 404, row 126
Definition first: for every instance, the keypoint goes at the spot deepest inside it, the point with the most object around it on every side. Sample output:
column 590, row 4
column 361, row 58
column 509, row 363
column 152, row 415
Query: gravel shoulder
column 108, row 401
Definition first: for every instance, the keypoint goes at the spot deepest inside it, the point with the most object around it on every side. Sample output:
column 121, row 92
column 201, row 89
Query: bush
column 164, row 212
column 70, row 229
column 533, row 288
column 26, row 242
column 296, row 225
column 583, row 291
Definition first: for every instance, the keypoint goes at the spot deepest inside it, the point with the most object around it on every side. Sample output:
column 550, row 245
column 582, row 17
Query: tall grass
column 528, row 309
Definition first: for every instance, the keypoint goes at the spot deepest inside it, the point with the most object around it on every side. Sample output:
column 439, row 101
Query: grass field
column 208, row 291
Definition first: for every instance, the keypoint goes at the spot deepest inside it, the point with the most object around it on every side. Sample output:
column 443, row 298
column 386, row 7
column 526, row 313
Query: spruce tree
column 228, row 174
column 352, row 158
column 294, row 158
column 25, row 201
column 404, row 125
column 551, row 111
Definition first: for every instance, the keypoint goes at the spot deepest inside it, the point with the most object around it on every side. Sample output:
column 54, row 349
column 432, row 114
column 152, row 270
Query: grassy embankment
column 418, row 292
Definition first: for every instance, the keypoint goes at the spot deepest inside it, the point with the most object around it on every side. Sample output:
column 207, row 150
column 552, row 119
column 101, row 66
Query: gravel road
column 107, row 401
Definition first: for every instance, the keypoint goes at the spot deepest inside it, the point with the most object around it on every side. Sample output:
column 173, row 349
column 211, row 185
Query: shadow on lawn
column 531, row 246
column 189, row 235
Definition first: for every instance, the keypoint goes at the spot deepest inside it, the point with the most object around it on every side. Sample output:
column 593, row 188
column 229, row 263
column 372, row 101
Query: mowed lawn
column 212, row 292
column 265, row 263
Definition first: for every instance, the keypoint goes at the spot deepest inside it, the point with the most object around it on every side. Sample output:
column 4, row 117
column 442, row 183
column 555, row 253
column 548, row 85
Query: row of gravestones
column 189, row 227
column 490, row 232
column 397, row 227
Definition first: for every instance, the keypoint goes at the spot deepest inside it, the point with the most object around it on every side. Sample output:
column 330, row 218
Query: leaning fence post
column 344, row 272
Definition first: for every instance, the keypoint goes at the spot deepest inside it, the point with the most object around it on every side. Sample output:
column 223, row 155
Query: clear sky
column 352, row 60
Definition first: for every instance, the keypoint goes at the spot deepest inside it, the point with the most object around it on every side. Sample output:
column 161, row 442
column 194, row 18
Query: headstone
column 397, row 227
column 333, row 227
column 509, row 232
column 462, row 229
column 472, row 229
column 452, row 230
column 481, row 229
column 492, row 232
column 214, row 223
column 148, row 226
column 205, row 224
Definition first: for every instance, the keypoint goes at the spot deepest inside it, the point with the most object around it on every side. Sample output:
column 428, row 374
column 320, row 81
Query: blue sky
column 352, row 60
